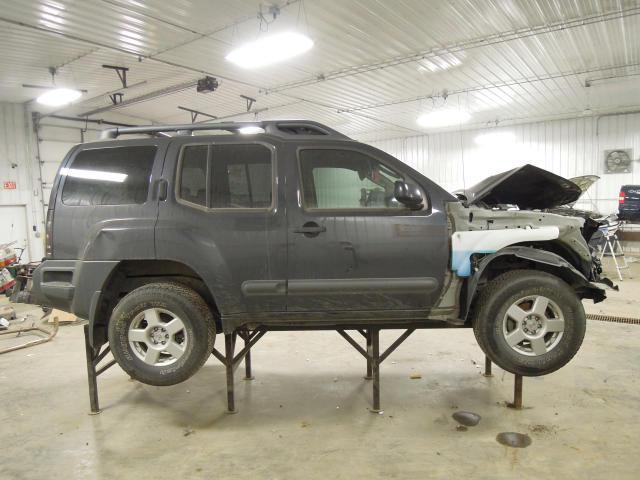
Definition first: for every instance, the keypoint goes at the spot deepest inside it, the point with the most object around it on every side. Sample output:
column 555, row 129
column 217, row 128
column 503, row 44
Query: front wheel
column 529, row 322
column 161, row 333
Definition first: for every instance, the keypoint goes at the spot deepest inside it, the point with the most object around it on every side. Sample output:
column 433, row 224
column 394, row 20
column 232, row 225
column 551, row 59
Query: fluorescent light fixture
column 58, row 97
column 270, row 49
column 94, row 175
column 495, row 139
column 443, row 118
column 251, row 130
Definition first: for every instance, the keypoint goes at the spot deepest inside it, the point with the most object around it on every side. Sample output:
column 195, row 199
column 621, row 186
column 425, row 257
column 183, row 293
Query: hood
column 584, row 182
column 527, row 187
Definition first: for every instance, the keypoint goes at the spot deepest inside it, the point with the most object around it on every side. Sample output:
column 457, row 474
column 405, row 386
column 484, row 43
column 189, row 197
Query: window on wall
column 240, row 176
column 109, row 176
column 346, row 179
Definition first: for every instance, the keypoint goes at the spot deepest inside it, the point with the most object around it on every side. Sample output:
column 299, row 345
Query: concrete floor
column 306, row 413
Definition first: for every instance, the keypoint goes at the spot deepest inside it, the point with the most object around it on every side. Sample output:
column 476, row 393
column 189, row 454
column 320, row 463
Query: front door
column 352, row 245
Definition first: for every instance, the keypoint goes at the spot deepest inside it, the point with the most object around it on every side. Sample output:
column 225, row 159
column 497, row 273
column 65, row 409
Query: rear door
column 352, row 246
column 223, row 218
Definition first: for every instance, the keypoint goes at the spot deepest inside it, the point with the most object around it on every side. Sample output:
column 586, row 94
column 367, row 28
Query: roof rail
column 278, row 128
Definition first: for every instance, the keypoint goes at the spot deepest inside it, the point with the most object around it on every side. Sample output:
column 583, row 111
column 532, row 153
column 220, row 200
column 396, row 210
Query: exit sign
column 9, row 185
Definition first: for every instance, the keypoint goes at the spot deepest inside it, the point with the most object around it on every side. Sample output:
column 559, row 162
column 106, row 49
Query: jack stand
column 231, row 362
column 487, row 367
column 517, row 385
column 94, row 357
column 373, row 356
column 517, row 393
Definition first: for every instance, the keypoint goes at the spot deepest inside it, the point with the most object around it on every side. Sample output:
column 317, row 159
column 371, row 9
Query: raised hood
column 527, row 187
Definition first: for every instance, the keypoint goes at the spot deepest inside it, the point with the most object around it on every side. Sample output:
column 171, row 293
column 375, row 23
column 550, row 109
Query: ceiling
column 376, row 65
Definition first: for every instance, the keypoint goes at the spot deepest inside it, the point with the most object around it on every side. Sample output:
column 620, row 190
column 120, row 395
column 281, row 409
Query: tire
column 550, row 336
column 157, row 313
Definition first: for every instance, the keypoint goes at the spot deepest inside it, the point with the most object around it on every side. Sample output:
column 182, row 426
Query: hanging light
column 270, row 49
column 58, row 96
column 443, row 118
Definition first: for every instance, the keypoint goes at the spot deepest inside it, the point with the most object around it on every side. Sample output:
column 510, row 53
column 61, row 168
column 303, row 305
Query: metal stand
column 94, row 357
column 49, row 335
column 373, row 356
column 231, row 362
column 487, row 367
column 517, row 393
column 517, row 385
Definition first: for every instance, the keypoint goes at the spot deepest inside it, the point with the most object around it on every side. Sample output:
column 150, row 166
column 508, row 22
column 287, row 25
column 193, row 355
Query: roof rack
column 278, row 128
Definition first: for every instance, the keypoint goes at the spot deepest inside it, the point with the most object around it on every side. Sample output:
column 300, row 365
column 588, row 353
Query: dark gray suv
column 163, row 241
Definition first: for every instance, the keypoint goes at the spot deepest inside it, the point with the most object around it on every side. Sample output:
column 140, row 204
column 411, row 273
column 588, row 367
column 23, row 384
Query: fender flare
column 550, row 262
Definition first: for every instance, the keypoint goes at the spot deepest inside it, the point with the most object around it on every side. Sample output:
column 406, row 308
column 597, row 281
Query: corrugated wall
column 17, row 164
column 567, row 147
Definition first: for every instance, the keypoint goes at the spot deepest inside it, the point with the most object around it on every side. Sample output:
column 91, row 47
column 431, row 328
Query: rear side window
column 109, row 176
column 226, row 176
column 241, row 176
column 193, row 177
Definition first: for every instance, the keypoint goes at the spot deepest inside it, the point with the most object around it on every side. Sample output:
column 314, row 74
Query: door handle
column 310, row 229
column 162, row 189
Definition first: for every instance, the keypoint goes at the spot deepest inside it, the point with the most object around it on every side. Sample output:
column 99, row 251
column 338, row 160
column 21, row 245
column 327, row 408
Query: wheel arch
column 131, row 274
column 525, row 257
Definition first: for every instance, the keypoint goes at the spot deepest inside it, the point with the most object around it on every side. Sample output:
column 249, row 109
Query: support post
column 368, row 338
column 487, row 367
column 517, row 392
column 229, row 347
column 91, row 374
column 247, row 358
column 375, row 367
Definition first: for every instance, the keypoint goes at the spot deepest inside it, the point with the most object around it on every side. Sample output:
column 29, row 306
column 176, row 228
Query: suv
column 629, row 203
column 161, row 242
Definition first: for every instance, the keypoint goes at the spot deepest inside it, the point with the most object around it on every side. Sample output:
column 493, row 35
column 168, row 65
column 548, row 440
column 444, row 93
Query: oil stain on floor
column 513, row 439
column 467, row 419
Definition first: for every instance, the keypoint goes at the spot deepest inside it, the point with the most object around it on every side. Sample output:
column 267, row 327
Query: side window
column 241, row 176
column 193, row 174
column 346, row 179
column 109, row 176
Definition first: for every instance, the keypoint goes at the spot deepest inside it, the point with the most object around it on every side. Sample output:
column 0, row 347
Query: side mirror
column 408, row 195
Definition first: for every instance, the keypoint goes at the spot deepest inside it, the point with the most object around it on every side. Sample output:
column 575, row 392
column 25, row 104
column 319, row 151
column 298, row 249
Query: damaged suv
column 163, row 242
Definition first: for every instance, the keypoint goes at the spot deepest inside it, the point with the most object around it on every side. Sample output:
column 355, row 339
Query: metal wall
column 17, row 164
column 567, row 147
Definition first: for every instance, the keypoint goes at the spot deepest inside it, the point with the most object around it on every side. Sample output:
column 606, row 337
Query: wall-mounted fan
column 618, row 160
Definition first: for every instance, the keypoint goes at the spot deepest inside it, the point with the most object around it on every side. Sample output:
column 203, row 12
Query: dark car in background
column 629, row 203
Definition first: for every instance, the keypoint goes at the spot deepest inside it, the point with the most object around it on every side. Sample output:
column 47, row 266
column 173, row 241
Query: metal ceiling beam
column 122, row 50
column 143, row 98
column 195, row 113
column 198, row 35
column 494, row 39
column 522, row 81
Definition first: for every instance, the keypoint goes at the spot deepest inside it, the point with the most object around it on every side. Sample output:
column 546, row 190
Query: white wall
column 16, row 149
column 566, row 147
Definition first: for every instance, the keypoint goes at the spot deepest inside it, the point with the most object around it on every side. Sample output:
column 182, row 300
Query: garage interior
column 458, row 90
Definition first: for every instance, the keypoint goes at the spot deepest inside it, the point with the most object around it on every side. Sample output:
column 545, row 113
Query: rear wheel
column 161, row 333
column 529, row 322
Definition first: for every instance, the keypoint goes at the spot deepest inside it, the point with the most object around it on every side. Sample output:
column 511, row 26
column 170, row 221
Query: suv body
column 296, row 227
column 629, row 203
